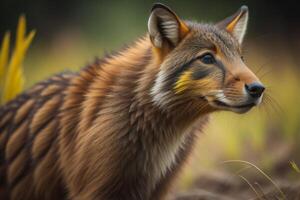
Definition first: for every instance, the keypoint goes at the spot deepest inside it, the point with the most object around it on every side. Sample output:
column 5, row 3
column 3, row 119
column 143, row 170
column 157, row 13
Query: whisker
column 264, row 74
column 262, row 66
column 275, row 103
column 271, row 106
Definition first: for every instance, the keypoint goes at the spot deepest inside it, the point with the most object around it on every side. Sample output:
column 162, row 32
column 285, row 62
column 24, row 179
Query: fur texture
column 122, row 127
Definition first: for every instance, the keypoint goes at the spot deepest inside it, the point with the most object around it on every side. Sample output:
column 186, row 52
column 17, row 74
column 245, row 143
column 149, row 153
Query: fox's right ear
column 165, row 28
column 236, row 24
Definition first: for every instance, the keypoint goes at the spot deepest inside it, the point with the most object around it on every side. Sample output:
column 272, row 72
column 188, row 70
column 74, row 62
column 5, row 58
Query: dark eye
column 242, row 57
column 208, row 59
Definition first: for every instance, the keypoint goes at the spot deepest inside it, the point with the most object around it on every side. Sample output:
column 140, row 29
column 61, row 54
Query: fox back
column 122, row 127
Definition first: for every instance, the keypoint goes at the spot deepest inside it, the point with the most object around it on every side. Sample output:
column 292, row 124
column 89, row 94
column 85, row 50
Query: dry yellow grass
column 11, row 67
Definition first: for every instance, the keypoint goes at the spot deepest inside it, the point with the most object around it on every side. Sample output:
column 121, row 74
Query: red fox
column 122, row 127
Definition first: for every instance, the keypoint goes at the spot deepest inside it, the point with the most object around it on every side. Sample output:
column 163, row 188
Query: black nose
column 255, row 89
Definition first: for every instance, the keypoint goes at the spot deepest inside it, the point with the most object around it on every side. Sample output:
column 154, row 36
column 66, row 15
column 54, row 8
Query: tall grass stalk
column 260, row 171
column 11, row 67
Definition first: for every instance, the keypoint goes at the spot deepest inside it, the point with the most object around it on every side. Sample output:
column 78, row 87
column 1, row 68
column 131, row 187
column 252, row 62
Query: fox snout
column 241, row 89
column 255, row 89
column 252, row 86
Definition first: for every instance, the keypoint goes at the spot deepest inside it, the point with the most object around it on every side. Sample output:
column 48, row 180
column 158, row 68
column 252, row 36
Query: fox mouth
column 242, row 108
column 222, row 104
column 218, row 103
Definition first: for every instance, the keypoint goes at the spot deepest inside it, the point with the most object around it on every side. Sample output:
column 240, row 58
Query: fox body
column 122, row 127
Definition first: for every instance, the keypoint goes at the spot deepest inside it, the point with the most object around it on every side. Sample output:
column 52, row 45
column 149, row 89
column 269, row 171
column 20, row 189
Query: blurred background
column 72, row 33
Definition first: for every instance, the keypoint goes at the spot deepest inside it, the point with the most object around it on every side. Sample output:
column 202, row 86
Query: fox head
column 202, row 62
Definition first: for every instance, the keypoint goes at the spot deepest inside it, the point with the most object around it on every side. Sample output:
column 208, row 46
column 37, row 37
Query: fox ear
column 236, row 24
column 165, row 27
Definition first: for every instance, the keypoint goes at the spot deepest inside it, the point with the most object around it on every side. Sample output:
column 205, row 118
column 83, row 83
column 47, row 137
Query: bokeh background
column 71, row 33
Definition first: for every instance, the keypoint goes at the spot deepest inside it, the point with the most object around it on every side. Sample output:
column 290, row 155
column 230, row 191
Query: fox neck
column 141, row 138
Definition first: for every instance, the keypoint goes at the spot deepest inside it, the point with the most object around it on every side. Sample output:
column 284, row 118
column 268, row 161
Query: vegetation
column 11, row 68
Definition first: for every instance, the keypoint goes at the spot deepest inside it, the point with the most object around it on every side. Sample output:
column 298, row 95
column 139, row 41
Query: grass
column 11, row 68
column 295, row 166
column 251, row 186
column 261, row 172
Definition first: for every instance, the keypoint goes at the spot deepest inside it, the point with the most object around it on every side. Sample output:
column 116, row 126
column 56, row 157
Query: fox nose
column 255, row 89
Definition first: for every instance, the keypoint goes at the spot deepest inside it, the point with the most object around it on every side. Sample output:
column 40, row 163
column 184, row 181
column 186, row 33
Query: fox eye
column 208, row 59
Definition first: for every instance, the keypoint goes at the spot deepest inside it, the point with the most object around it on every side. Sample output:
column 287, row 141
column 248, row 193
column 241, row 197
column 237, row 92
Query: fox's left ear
column 165, row 28
column 236, row 24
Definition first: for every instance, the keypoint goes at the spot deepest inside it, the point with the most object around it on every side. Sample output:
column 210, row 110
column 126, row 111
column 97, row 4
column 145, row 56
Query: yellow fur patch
column 183, row 82
column 197, row 86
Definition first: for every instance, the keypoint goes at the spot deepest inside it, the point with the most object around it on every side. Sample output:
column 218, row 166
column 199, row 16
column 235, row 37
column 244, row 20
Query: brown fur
column 99, row 134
